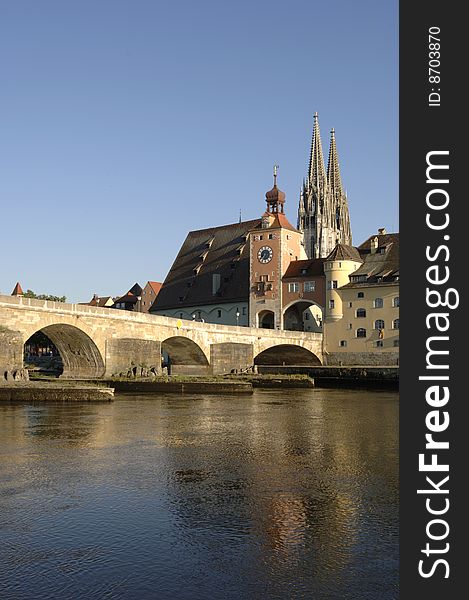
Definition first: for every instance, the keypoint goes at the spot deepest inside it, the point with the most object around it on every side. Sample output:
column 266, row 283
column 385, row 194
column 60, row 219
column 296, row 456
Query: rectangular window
column 379, row 343
column 396, row 343
column 216, row 282
column 271, row 236
column 309, row 286
column 331, row 303
column 343, row 343
column 293, row 287
column 244, row 310
column 219, row 313
column 332, row 285
column 360, row 295
column 350, row 305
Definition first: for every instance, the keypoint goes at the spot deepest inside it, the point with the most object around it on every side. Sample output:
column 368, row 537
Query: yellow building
column 361, row 325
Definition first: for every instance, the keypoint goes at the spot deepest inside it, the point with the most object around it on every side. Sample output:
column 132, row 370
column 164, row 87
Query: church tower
column 323, row 215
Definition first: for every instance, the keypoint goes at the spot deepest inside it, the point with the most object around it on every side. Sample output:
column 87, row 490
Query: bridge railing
column 136, row 317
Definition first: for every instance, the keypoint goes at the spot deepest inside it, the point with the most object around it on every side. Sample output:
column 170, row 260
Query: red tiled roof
column 17, row 290
column 99, row 300
column 305, row 268
column 282, row 221
column 155, row 286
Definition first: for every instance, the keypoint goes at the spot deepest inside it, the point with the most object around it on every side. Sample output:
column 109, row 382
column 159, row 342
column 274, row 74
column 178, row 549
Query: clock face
column 265, row 254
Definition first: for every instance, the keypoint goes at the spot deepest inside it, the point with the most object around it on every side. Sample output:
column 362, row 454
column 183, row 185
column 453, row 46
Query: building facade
column 362, row 303
column 149, row 293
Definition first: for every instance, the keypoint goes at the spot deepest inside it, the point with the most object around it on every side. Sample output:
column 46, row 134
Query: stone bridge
column 96, row 342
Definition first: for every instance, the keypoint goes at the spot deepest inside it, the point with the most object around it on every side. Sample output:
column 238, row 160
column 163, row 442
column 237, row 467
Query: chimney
column 374, row 245
column 381, row 231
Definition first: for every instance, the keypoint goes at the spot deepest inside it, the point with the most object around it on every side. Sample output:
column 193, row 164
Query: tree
column 31, row 294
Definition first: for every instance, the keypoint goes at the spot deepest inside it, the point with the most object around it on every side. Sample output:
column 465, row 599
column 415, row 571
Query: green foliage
column 31, row 294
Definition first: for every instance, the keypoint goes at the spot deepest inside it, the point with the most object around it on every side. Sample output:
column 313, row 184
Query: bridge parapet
column 108, row 335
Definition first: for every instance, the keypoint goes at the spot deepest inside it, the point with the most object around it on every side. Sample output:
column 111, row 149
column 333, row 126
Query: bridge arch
column 184, row 356
column 265, row 319
column 80, row 356
column 287, row 355
column 303, row 315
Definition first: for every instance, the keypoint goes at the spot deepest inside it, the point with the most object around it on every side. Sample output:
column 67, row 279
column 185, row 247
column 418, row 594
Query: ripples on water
column 279, row 495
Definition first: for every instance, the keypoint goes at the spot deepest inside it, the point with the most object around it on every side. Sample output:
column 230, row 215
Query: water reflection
column 270, row 496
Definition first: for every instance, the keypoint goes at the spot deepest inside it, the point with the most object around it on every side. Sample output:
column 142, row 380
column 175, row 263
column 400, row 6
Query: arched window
column 361, row 313
column 395, row 302
column 395, row 324
column 378, row 303
column 379, row 324
column 361, row 333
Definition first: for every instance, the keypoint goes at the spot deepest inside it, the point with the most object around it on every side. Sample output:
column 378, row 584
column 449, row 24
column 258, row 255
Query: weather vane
column 276, row 167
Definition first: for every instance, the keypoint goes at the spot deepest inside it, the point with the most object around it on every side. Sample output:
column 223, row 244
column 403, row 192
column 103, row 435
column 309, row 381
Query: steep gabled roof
column 220, row 251
column 100, row 301
column 128, row 298
column 380, row 266
column 17, row 290
column 135, row 290
column 313, row 267
column 155, row 286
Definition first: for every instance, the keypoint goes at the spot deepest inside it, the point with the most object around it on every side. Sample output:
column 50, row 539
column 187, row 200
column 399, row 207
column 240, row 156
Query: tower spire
column 333, row 170
column 317, row 172
column 323, row 215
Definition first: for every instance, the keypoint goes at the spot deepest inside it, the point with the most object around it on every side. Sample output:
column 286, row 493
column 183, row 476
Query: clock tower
column 273, row 246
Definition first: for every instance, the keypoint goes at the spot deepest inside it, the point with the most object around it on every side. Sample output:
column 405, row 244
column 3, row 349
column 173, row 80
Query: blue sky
column 127, row 123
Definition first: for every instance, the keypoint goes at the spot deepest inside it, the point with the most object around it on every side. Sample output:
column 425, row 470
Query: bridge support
column 228, row 356
column 11, row 350
column 125, row 353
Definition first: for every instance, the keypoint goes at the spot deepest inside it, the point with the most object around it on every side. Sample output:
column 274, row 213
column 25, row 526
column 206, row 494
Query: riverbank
column 343, row 376
column 35, row 391
column 189, row 385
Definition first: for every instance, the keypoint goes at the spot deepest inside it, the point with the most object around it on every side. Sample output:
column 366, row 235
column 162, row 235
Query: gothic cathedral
column 323, row 215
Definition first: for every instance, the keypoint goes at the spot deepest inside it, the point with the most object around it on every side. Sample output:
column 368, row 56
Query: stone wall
column 228, row 356
column 124, row 353
column 377, row 359
column 11, row 349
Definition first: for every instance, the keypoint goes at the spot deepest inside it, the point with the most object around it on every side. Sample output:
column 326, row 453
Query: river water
column 280, row 495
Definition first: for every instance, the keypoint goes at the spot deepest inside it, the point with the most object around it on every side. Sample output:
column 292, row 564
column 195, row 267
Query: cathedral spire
column 333, row 170
column 317, row 172
column 323, row 215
